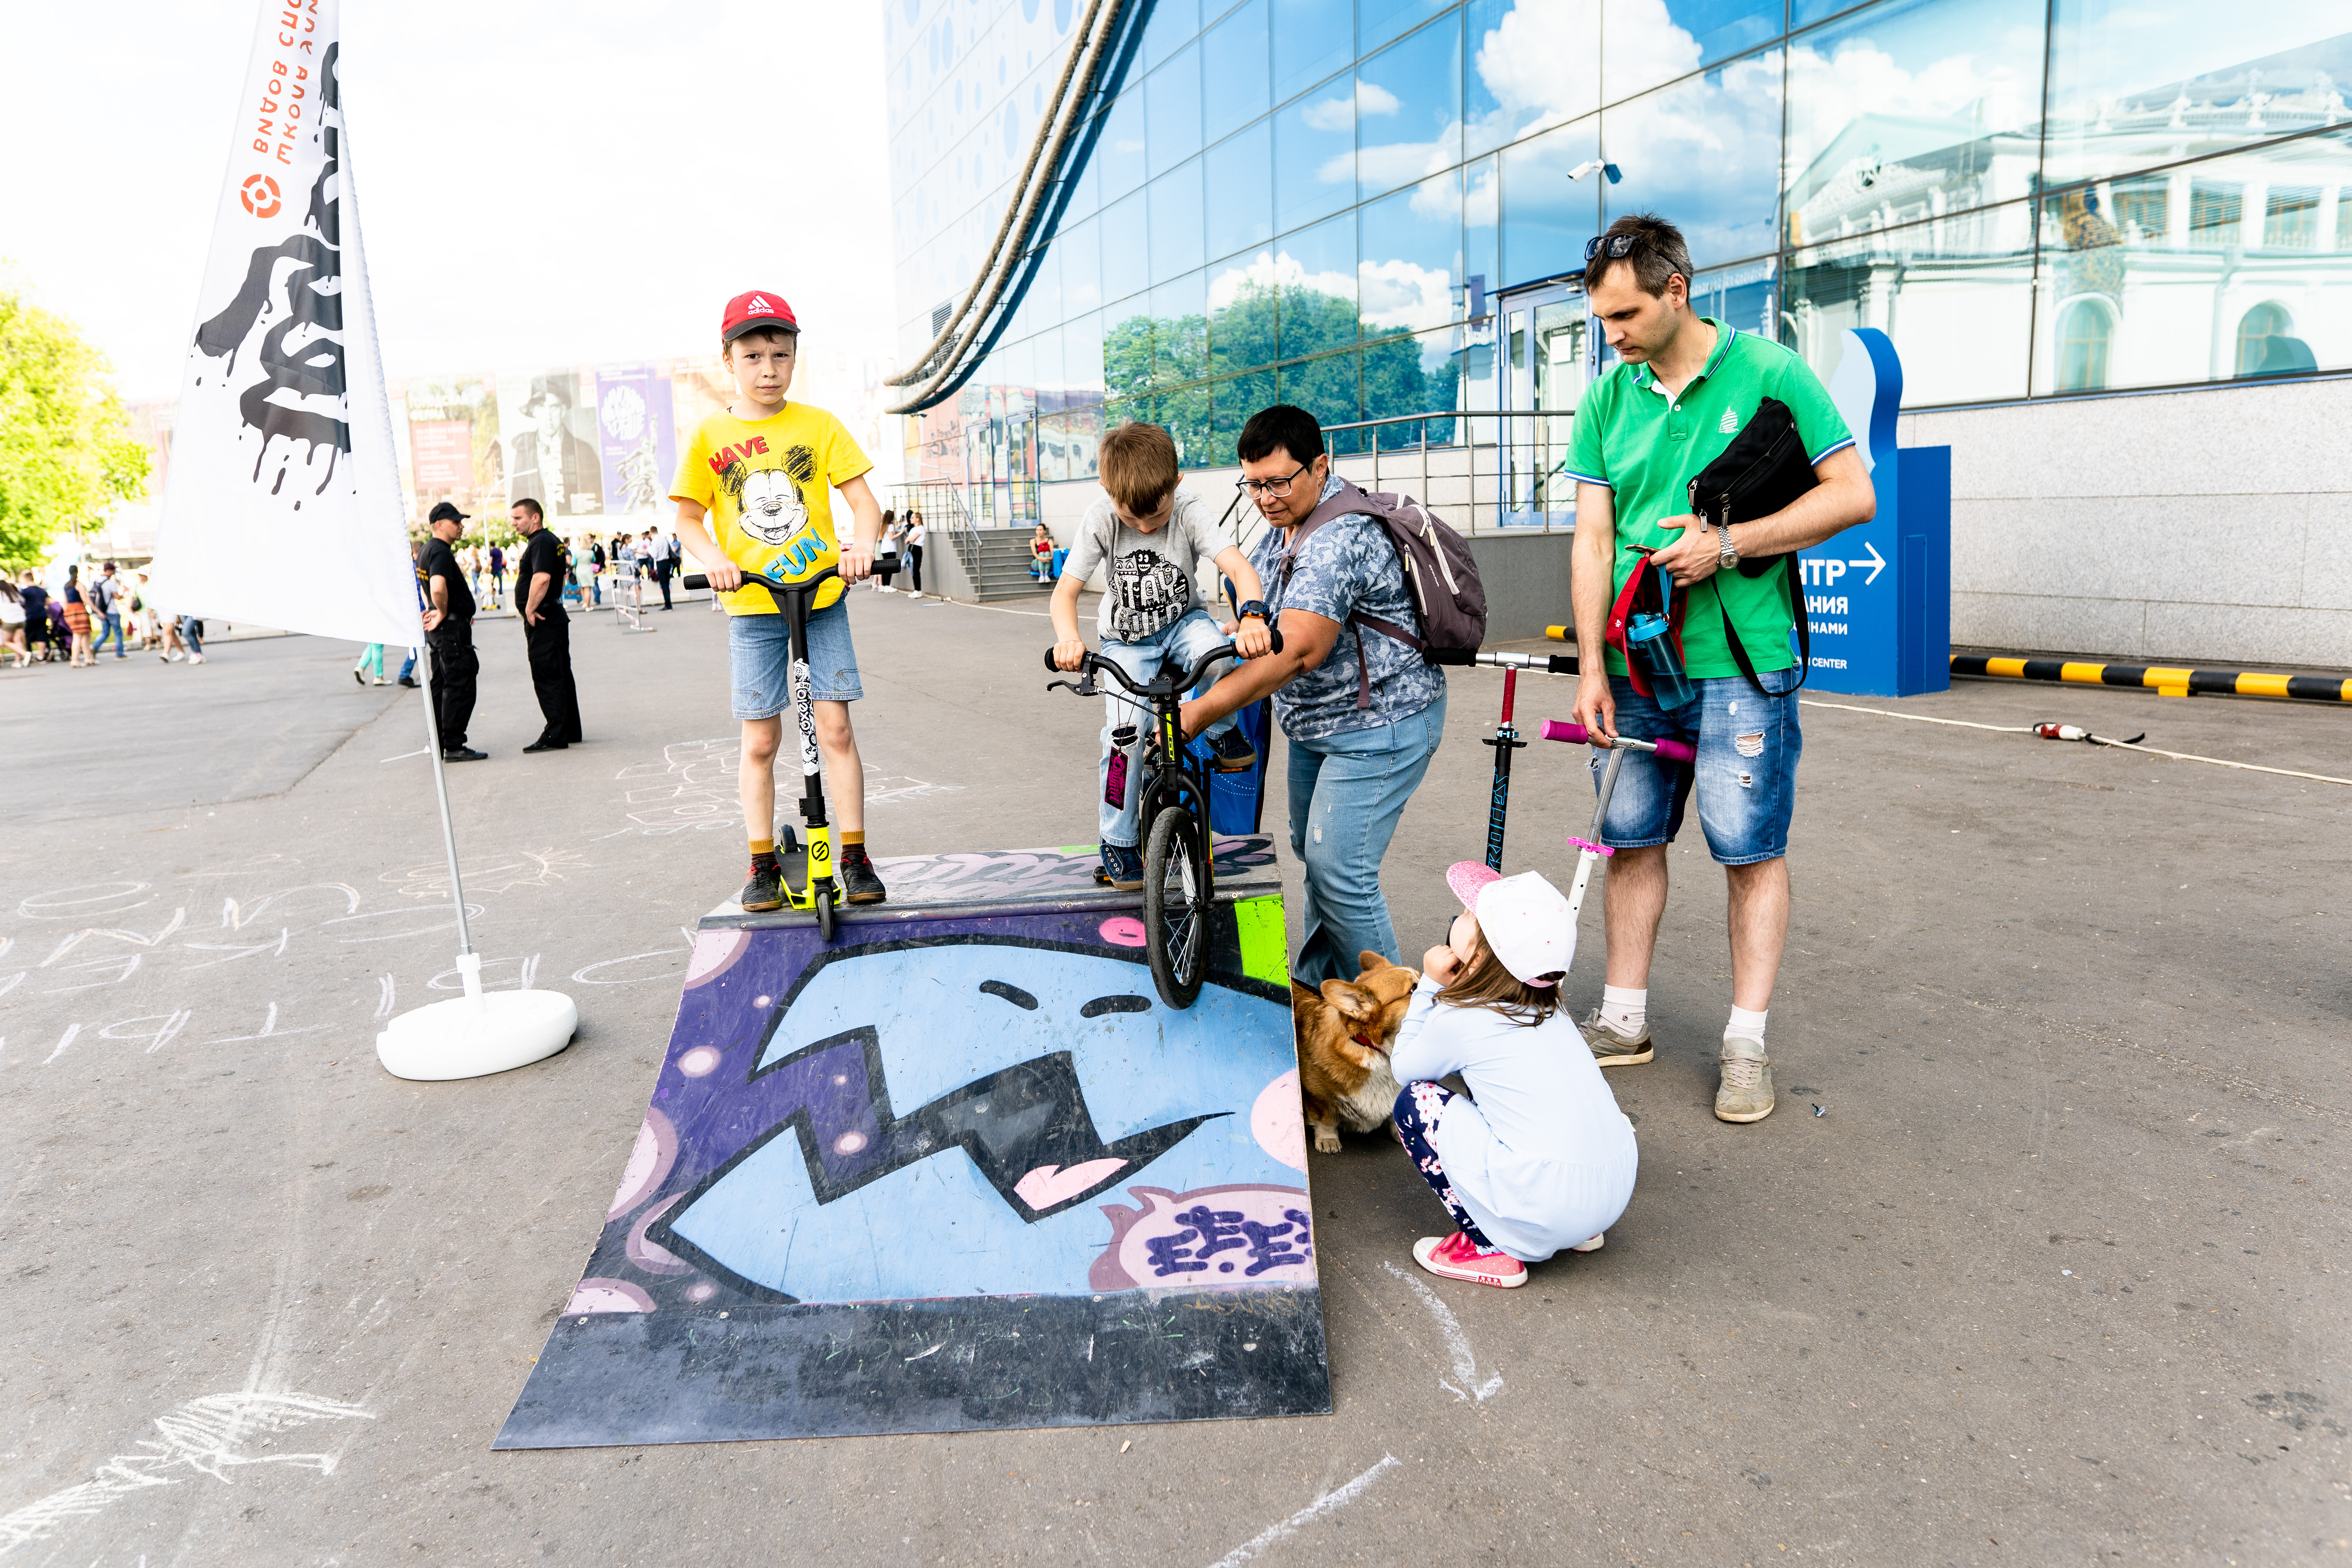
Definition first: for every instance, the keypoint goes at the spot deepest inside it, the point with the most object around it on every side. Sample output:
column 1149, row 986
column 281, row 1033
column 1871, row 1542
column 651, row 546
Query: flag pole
column 470, row 962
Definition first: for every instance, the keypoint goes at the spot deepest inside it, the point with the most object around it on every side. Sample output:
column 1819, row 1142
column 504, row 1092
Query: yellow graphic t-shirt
column 768, row 485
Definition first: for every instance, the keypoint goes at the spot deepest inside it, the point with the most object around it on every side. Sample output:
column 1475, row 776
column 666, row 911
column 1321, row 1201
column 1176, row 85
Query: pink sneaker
column 1456, row 1257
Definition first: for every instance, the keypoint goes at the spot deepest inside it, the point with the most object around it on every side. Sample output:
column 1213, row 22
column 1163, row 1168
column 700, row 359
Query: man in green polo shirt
column 1686, row 387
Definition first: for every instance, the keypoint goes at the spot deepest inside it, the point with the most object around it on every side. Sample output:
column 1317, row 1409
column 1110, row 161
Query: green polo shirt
column 1647, row 447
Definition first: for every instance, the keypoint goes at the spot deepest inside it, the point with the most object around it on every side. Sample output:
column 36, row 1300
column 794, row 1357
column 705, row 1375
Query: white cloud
column 1340, row 112
column 1400, row 294
column 1267, row 271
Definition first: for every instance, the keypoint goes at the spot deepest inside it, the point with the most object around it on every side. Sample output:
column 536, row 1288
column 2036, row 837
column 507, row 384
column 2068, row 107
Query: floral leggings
column 1417, row 1110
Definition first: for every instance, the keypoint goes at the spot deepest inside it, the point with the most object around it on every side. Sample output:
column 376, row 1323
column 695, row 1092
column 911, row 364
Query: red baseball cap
column 754, row 312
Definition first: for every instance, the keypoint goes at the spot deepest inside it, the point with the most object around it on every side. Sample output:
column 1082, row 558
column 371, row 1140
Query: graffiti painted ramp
column 959, row 1169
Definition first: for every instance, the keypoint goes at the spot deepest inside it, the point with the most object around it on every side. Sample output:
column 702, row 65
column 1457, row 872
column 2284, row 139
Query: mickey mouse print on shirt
column 768, row 486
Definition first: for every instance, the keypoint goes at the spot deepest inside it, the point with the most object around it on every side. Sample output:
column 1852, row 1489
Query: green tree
column 66, row 455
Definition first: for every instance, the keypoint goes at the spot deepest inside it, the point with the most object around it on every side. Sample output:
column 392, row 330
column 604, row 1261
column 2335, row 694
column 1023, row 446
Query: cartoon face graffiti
column 938, row 1117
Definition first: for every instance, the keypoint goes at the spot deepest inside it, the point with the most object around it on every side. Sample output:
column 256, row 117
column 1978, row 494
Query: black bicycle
column 1171, row 797
column 808, row 879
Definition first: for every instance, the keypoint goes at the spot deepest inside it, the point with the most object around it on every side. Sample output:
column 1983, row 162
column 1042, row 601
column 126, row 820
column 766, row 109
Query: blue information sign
column 1878, row 597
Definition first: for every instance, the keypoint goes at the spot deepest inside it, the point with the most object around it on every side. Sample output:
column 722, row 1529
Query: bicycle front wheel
column 1176, row 905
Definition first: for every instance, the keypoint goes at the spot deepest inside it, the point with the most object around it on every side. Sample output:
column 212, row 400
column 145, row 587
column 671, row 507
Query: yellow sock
column 857, row 837
column 763, row 847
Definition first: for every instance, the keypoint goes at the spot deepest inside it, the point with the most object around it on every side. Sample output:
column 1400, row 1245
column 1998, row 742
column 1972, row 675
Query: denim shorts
column 759, row 658
column 1745, row 777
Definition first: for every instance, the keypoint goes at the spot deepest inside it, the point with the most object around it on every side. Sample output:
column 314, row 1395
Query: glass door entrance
column 1546, row 349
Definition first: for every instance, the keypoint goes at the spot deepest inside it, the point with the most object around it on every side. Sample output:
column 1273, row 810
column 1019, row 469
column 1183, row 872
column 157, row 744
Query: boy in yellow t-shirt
column 761, row 471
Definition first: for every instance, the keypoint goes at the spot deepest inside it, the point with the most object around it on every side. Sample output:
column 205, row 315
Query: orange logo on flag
column 260, row 196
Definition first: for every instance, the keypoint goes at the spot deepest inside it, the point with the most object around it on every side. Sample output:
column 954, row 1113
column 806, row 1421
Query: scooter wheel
column 824, row 914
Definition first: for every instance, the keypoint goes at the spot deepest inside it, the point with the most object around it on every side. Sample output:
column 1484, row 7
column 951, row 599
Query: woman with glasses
column 1362, row 711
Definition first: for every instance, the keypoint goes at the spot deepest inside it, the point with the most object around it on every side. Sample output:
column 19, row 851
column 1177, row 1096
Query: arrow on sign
column 1876, row 563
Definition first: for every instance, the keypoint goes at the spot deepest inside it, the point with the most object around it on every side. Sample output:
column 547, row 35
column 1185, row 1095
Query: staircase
column 996, row 562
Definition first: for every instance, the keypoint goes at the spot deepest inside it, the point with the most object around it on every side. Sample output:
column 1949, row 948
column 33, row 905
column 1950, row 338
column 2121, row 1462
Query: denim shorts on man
column 758, row 656
column 1746, row 776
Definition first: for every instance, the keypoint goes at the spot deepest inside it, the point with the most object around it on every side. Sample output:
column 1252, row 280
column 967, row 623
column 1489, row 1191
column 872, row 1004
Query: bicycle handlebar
column 702, row 580
column 1096, row 664
column 1673, row 751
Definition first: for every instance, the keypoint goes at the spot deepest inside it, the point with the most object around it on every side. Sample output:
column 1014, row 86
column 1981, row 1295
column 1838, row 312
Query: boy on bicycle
column 1149, row 537
column 761, row 471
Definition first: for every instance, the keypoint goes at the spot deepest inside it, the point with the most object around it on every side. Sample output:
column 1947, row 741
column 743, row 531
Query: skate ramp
column 959, row 1169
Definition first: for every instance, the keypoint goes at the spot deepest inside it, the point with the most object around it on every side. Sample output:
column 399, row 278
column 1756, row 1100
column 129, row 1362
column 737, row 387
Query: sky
column 539, row 183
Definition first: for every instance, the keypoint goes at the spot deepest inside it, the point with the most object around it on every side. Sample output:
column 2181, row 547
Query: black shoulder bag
column 1761, row 472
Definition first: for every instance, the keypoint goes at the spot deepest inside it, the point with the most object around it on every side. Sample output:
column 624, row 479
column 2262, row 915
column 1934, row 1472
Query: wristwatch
column 1254, row 608
column 1726, row 552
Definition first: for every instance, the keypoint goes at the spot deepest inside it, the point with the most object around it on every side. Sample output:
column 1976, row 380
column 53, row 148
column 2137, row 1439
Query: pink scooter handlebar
column 1673, row 751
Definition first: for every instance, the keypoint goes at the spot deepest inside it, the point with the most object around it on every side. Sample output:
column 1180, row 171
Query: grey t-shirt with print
column 1148, row 578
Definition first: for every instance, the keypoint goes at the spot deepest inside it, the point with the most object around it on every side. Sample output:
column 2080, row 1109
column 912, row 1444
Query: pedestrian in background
column 77, row 619
column 12, row 623
column 497, row 576
column 105, row 602
column 143, row 616
column 371, row 664
column 885, row 555
column 192, row 633
column 913, row 546
column 546, row 629
column 38, row 646
column 449, row 628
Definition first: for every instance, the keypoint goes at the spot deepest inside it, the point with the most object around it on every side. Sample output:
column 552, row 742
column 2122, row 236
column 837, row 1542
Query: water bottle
column 1648, row 637
column 1122, row 742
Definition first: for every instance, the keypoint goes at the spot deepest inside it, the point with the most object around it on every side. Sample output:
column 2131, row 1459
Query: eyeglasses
column 1277, row 488
column 1619, row 245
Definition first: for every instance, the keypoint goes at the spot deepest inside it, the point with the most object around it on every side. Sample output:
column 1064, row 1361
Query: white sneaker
column 196, row 658
column 1592, row 1245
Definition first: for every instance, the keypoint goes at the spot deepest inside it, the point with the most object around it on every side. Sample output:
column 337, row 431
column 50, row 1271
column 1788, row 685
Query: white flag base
column 477, row 1033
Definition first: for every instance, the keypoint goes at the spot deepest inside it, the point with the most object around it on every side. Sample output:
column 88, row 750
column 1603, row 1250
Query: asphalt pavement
column 2041, row 1260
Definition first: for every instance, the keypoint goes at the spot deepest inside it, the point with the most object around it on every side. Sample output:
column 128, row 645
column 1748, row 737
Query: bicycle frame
column 1172, row 776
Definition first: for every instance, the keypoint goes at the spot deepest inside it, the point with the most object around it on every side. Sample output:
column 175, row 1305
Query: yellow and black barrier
column 2166, row 680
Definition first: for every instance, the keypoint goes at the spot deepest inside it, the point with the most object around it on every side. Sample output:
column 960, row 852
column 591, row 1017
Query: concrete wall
column 2212, row 526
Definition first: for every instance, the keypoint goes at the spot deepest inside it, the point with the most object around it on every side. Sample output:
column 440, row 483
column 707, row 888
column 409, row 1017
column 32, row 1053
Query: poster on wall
column 637, row 435
column 453, row 446
column 549, row 417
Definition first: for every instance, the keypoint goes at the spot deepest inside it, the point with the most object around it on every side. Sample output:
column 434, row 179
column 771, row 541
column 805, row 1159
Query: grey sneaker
column 1745, row 1092
column 1612, row 1048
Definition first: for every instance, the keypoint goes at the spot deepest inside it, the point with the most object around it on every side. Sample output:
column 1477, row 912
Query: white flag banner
column 283, row 506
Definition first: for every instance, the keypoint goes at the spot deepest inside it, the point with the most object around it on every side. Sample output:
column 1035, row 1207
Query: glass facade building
column 1373, row 207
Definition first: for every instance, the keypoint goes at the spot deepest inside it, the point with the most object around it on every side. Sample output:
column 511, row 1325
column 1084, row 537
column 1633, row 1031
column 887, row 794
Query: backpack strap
column 1804, row 632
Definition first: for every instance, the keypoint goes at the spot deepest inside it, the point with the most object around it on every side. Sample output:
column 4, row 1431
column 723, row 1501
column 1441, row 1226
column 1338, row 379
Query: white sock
column 1747, row 1024
column 1625, row 1009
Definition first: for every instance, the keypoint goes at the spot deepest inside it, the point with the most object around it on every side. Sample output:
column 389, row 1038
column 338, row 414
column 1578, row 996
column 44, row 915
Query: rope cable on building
column 946, row 366
column 1037, row 143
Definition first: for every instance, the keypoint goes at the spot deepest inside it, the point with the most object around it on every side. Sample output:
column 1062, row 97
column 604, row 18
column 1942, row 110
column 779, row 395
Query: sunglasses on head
column 1617, row 245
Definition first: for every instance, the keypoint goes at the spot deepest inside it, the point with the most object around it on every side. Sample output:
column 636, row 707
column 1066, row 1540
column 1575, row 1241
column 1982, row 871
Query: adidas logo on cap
column 757, row 303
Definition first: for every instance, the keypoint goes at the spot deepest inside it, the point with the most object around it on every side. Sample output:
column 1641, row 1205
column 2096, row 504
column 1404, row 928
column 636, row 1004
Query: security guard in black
column 546, row 630
column 451, row 635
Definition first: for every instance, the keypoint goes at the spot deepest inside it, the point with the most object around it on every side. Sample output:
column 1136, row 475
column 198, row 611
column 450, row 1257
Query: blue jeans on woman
column 1347, row 792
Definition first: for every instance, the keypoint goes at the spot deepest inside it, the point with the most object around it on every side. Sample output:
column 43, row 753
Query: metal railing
column 947, row 518
column 1488, row 471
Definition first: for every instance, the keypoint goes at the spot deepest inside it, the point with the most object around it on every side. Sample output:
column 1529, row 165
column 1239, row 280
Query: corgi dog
column 1344, row 1033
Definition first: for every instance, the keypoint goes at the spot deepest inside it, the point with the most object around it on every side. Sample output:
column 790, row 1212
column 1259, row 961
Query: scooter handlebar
column 694, row 580
column 1673, row 751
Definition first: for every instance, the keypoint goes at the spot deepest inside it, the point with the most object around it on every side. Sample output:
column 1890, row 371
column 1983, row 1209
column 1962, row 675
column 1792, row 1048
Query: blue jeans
column 192, row 634
column 1747, row 774
column 1347, row 792
column 110, row 625
column 1175, row 646
column 759, row 661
